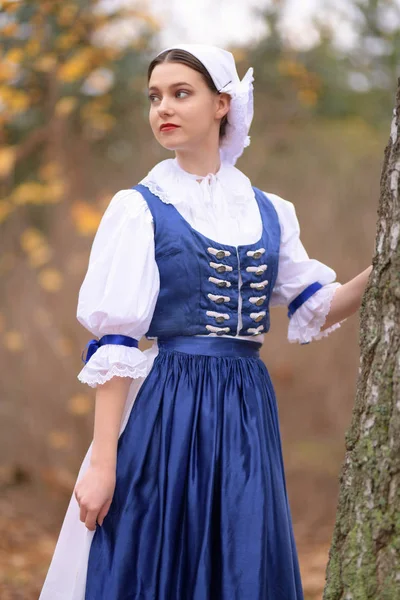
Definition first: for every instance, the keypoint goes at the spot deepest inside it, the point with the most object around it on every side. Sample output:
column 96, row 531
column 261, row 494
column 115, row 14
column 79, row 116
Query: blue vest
column 199, row 277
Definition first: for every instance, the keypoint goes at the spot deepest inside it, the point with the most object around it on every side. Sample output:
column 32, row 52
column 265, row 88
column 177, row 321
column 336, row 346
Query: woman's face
column 179, row 96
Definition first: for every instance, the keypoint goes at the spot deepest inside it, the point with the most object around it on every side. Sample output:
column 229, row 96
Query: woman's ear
column 223, row 106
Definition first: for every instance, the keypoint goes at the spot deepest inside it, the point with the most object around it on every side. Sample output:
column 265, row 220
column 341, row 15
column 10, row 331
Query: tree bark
column 364, row 559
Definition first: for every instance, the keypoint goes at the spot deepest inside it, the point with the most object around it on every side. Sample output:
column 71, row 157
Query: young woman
column 182, row 493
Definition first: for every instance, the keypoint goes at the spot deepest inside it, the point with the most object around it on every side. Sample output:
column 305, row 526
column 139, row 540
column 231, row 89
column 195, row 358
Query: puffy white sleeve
column 305, row 285
column 120, row 289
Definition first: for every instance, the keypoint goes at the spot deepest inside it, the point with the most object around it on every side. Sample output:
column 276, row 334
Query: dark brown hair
column 185, row 58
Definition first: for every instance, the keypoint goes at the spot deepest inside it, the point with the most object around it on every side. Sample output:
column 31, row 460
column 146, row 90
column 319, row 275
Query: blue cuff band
column 94, row 344
column 301, row 298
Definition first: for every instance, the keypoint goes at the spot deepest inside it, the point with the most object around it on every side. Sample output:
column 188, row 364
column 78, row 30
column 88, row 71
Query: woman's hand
column 347, row 298
column 94, row 493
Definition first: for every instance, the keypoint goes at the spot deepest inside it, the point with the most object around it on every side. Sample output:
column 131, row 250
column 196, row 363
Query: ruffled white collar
column 174, row 185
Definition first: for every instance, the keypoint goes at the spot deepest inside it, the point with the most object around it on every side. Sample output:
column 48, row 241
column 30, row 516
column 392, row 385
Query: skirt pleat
column 200, row 508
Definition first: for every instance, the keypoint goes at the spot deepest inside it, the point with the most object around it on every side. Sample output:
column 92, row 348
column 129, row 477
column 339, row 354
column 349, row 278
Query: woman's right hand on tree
column 94, row 494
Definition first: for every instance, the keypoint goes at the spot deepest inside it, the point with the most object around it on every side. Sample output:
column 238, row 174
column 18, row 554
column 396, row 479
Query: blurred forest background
column 74, row 131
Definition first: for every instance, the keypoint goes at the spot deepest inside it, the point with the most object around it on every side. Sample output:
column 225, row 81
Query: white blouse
column 121, row 286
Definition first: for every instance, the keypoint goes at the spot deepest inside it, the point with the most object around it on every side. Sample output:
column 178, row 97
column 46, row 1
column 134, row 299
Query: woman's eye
column 153, row 97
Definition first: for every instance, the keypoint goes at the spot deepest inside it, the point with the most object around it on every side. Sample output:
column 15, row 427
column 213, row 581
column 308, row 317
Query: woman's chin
column 170, row 145
column 174, row 141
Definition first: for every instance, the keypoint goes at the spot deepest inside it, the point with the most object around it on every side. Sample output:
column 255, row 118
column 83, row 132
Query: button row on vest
column 220, row 268
column 257, row 270
column 219, row 253
column 256, row 330
column 219, row 317
column 256, row 253
column 218, row 299
column 258, row 300
column 218, row 330
column 259, row 286
column 258, row 316
column 220, row 282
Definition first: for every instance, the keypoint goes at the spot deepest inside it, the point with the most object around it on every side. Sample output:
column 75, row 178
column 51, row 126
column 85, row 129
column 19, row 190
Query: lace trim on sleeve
column 110, row 361
column 305, row 324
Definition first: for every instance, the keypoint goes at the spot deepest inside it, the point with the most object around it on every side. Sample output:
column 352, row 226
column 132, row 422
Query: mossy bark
column 364, row 559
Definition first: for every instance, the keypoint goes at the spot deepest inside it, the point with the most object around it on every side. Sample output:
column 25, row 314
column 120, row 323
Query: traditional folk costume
column 200, row 509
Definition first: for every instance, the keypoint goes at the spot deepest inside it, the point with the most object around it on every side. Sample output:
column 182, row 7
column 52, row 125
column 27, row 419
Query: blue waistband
column 211, row 346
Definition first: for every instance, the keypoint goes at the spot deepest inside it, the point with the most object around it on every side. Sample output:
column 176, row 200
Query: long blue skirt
column 200, row 509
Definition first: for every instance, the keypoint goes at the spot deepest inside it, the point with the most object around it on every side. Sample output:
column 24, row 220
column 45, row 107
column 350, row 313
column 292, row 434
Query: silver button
column 221, row 284
column 219, row 300
column 260, row 301
column 259, row 286
column 220, row 319
column 221, row 332
column 220, row 254
column 259, row 272
column 257, row 254
column 221, row 269
column 259, row 318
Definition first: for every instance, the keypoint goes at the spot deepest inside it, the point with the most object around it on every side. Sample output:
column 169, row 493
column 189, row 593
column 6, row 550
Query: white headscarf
column 222, row 68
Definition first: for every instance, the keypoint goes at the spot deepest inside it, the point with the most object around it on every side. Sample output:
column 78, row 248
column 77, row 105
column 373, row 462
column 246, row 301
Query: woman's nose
column 165, row 107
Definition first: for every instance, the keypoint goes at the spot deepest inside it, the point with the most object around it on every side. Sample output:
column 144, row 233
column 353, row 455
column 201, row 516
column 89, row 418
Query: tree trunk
column 364, row 559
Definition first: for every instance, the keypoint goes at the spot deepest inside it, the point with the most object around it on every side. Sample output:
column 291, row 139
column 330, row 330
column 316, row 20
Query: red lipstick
column 168, row 127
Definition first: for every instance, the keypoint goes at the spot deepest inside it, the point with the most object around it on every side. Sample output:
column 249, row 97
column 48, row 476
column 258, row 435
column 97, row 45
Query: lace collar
column 174, row 185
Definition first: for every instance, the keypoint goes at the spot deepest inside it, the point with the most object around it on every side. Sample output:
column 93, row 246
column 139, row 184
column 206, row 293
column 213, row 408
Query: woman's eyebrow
column 173, row 85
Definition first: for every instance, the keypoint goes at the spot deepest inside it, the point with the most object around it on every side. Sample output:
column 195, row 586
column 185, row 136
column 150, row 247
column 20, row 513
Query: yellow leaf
column 13, row 341
column 112, row 53
column 36, row 247
column 33, row 47
column 5, row 94
column 54, row 192
column 80, row 404
column 30, row 192
column 58, row 439
column 77, row 66
column 86, row 217
column 65, row 106
column 10, row 6
column 307, row 97
column 45, row 63
column 102, row 122
column 31, row 239
column 67, row 40
column 9, row 30
column 50, row 170
column 15, row 55
column 40, row 256
column 19, row 101
column 7, row 71
column 291, row 68
column 7, row 160
column 50, row 279
column 67, row 14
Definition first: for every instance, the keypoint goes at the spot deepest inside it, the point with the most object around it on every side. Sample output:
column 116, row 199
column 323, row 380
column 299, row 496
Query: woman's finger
column 103, row 512
column 83, row 514
column 90, row 521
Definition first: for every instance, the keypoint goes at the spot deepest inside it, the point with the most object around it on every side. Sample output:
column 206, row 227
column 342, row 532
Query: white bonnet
column 222, row 68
